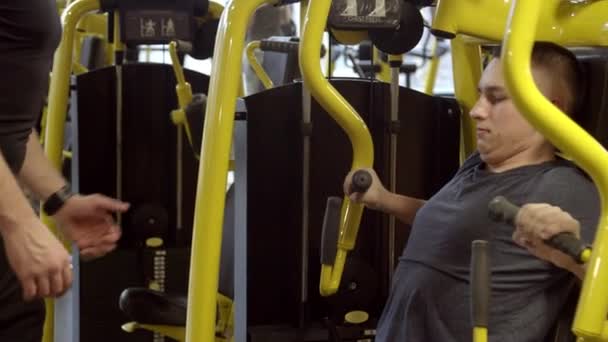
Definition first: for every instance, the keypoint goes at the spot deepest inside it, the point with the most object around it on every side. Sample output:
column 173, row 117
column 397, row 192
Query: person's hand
column 41, row 263
column 536, row 223
column 372, row 198
column 88, row 222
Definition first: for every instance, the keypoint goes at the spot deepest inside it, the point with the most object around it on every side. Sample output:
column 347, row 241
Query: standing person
column 33, row 263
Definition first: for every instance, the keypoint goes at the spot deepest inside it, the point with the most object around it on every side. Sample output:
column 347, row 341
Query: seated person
column 430, row 295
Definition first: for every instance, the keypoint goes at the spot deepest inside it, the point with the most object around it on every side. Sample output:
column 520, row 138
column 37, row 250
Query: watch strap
column 57, row 200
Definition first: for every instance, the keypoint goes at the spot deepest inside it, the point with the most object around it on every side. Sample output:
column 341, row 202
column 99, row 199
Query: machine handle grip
column 279, row 46
column 361, row 181
column 184, row 46
column 500, row 209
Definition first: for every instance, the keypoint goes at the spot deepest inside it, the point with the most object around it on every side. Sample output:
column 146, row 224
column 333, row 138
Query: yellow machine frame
column 256, row 66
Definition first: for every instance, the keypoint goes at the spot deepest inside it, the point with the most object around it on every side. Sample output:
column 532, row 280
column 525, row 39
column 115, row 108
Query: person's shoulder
column 564, row 171
column 568, row 187
column 564, row 182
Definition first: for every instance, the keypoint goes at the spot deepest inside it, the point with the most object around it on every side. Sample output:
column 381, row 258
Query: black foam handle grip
column 361, row 181
column 480, row 283
column 279, row 46
column 500, row 209
column 569, row 244
column 331, row 228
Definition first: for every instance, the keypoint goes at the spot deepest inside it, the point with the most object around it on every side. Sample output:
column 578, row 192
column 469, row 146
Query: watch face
column 64, row 193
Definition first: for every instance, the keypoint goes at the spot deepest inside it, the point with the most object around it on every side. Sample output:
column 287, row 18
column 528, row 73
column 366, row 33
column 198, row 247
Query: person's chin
column 485, row 155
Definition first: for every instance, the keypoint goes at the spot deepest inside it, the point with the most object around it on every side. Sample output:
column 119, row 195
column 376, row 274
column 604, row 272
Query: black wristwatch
column 57, row 200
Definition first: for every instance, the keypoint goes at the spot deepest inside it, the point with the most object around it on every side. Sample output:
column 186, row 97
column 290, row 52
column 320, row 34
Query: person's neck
column 528, row 157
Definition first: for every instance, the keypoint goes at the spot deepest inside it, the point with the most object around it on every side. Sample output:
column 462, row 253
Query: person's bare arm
column 37, row 257
column 404, row 208
column 14, row 206
column 85, row 220
column 37, row 172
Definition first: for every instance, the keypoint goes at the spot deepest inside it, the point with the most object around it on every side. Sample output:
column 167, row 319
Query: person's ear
column 559, row 103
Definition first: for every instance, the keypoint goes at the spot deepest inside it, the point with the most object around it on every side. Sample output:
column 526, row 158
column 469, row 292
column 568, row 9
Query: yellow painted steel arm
column 590, row 320
column 183, row 88
column 175, row 332
column 563, row 22
column 345, row 115
column 466, row 61
column 57, row 110
column 60, row 79
column 215, row 9
column 256, row 66
column 480, row 334
column 183, row 91
column 79, row 69
column 215, row 151
column 431, row 76
column 384, row 74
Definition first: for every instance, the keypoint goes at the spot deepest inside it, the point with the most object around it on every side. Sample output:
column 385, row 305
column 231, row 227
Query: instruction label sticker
column 365, row 14
column 156, row 27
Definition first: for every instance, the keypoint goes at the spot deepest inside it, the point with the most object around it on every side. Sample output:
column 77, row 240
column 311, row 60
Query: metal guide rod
column 179, row 177
column 306, row 120
column 119, row 141
column 393, row 162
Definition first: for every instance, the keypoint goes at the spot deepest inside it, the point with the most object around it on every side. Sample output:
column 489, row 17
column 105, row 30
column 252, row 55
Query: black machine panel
column 428, row 157
column 149, row 184
column 148, row 148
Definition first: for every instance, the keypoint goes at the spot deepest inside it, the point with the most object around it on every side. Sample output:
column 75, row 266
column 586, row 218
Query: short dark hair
column 564, row 68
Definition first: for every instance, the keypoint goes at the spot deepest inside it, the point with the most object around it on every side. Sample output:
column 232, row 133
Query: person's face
column 502, row 132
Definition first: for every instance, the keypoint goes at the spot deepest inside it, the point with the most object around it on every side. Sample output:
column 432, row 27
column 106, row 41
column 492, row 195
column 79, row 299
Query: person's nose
column 480, row 110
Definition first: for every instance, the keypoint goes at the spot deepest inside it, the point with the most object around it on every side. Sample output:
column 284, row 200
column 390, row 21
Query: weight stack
column 144, row 94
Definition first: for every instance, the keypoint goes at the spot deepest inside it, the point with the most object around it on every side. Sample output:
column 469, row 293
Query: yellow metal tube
column 346, row 116
column 431, row 76
column 57, row 111
column 384, row 74
column 256, row 66
column 466, row 60
column 60, row 79
column 175, row 332
column 118, row 45
column 215, row 9
column 480, row 334
column 177, row 69
column 303, row 10
column 215, row 151
column 563, row 22
column 79, row 69
column 183, row 88
column 567, row 136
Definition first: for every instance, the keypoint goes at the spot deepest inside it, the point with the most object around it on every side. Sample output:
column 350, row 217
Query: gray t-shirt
column 430, row 296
